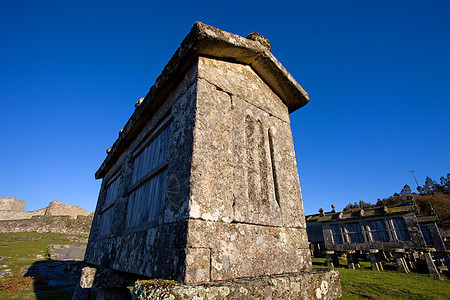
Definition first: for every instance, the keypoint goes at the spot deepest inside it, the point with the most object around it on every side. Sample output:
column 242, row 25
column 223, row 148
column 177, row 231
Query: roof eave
column 205, row 40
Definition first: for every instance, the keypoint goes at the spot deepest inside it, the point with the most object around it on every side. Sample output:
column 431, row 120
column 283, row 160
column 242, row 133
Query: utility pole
column 412, row 171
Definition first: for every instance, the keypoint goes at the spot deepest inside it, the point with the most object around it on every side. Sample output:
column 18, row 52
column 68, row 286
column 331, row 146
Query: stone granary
column 202, row 186
column 378, row 231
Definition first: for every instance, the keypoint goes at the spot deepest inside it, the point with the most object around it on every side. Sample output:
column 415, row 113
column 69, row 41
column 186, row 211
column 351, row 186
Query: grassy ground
column 25, row 249
column 320, row 263
column 21, row 251
column 388, row 285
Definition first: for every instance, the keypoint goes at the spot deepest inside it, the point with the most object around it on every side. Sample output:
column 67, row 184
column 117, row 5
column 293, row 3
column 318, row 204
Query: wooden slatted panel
column 354, row 232
column 111, row 193
column 401, row 229
column 146, row 201
column 378, row 230
column 336, row 231
column 427, row 235
column 152, row 156
column 107, row 210
column 105, row 222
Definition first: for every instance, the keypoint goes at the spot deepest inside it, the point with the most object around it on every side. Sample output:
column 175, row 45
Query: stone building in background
column 14, row 209
column 56, row 217
column 202, row 186
column 380, row 232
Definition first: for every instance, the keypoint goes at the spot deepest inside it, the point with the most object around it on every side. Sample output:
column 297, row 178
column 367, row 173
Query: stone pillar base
column 434, row 272
column 330, row 259
column 376, row 265
column 447, row 261
column 318, row 284
column 402, row 266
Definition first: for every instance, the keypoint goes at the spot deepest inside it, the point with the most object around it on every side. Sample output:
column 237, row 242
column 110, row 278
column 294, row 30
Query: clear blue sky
column 378, row 73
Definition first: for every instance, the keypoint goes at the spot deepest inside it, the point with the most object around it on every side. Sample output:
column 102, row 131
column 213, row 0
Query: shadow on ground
column 55, row 279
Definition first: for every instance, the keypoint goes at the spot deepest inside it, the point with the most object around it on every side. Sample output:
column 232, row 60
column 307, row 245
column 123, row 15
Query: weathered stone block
column 317, row 284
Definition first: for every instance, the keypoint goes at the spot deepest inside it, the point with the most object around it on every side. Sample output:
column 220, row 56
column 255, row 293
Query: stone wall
column 11, row 209
column 20, row 215
column 56, row 208
column 56, row 224
column 57, row 218
column 12, row 204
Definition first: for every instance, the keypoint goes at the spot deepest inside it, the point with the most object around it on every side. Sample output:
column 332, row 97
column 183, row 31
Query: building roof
column 205, row 40
column 380, row 211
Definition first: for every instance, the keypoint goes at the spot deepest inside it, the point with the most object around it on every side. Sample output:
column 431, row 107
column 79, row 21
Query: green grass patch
column 29, row 244
column 25, row 249
column 321, row 263
column 387, row 285
column 22, row 249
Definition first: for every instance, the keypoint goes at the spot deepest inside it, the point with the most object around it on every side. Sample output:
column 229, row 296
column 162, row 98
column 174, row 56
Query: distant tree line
column 429, row 188
column 357, row 205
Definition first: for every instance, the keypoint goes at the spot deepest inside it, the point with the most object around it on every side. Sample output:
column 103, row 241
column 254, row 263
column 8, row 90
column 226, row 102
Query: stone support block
column 409, row 260
column 400, row 255
column 400, row 260
column 330, row 261
column 336, row 260
column 434, row 272
column 351, row 264
column 376, row 265
column 447, row 261
column 318, row 284
column 352, row 259
column 356, row 262
column 111, row 284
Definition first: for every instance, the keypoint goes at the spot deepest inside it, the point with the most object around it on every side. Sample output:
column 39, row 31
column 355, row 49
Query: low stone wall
column 20, row 215
column 13, row 209
column 56, row 224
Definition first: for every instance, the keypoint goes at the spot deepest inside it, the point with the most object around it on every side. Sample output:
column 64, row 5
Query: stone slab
column 317, row 284
column 246, row 250
column 67, row 252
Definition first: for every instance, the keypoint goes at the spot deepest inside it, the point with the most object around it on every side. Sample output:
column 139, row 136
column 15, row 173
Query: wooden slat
column 111, row 194
column 153, row 155
column 148, row 183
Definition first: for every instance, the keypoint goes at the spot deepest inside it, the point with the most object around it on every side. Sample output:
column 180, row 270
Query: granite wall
column 12, row 204
column 56, row 224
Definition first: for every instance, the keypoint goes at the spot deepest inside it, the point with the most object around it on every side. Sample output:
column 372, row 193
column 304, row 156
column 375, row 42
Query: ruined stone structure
column 57, row 217
column 14, row 210
column 379, row 231
column 202, row 185
column 56, row 208
column 12, row 204
column 56, row 224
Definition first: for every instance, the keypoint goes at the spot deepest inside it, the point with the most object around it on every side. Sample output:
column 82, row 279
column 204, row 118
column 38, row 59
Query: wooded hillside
column 436, row 194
